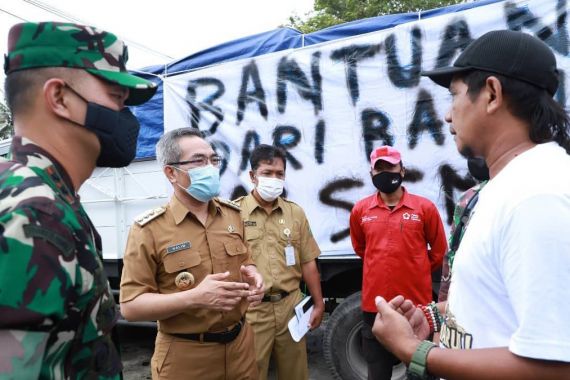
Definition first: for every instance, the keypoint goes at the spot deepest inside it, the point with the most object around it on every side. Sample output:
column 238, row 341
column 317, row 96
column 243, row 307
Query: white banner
column 330, row 104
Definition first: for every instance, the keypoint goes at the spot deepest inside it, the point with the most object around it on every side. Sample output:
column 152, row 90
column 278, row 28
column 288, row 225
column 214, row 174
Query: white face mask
column 269, row 188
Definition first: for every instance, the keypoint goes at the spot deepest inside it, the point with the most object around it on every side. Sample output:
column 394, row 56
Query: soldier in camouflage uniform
column 461, row 215
column 66, row 86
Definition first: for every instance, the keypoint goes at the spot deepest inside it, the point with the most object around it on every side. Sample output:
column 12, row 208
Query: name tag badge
column 178, row 247
column 290, row 255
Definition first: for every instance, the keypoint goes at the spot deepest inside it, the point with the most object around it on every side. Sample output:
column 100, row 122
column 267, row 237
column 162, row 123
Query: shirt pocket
column 180, row 261
column 293, row 238
column 375, row 226
column 236, row 254
column 235, row 247
column 411, row 226
column 290, row 234
column 183, row 261
column 414, row 237
column 254, row 241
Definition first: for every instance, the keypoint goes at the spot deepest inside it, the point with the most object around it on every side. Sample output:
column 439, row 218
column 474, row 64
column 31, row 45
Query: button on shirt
column 267, row 237
column 393, row 246
column 174, row 242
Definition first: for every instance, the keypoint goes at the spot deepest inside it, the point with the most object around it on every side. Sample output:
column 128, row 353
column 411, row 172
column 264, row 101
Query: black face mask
column 117, row 132
column 478, row 169
column 387, row 182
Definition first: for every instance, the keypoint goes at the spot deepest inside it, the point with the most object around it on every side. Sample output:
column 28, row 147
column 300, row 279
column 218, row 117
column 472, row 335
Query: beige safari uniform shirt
column 267, row 238
column 169, row 240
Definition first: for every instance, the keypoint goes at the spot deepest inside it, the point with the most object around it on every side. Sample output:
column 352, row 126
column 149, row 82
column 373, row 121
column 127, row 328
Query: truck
column 328, row 98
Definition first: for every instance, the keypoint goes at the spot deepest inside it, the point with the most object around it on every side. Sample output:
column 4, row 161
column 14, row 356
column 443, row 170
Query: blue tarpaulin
column 151, row 115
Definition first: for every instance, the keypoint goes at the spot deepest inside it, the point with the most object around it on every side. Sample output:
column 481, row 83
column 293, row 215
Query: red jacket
column 394, row 247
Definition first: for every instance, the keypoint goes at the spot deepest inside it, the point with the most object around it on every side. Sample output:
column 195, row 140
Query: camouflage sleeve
column 35, row 280
column 445, row 281
column 445, row 267
column 22, row 353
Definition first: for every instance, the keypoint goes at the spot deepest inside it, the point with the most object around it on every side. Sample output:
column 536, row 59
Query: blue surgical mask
column 204, row 182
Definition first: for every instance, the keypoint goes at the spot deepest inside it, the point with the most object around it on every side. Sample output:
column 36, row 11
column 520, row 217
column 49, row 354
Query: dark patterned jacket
column 56, row 307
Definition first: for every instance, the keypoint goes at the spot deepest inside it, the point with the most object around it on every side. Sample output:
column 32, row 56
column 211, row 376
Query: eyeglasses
column 216, row 161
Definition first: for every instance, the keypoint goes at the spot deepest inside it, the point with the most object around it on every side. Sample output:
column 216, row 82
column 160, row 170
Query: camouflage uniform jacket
column 461, row 215
column 56, row 307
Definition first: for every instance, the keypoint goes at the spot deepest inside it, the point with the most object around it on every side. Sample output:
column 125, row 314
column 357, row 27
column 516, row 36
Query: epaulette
column 229, row 203
column 238, row 200
column 149, row 215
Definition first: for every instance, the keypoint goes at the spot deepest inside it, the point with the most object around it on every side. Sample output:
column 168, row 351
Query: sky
column 158, row 31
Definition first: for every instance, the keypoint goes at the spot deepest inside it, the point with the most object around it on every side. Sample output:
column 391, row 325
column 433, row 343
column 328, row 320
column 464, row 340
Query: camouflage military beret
column 54, row 44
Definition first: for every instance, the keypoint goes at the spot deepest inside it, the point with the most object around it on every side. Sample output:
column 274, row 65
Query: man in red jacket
column 390, row 231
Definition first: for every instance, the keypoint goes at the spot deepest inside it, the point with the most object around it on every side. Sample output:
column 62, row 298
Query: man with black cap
column 66, row 86
column 510, row 274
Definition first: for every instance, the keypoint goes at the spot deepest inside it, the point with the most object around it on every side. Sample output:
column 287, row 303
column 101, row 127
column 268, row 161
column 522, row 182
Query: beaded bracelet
column 429, row 319
column 438, row 318
column 433, row 317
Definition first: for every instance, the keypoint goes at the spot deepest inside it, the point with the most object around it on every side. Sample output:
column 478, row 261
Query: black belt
column 211, row 337
column 276, row 297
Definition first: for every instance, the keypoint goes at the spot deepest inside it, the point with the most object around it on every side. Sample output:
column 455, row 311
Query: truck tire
column 342, row 347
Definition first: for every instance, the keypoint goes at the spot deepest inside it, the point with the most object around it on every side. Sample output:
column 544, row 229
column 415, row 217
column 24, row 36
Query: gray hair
column 168, row 149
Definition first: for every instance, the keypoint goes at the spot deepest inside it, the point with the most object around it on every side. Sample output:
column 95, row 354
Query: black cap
column 505, row 52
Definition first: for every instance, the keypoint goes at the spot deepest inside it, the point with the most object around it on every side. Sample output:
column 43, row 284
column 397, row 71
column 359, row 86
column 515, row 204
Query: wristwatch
column 417, row 370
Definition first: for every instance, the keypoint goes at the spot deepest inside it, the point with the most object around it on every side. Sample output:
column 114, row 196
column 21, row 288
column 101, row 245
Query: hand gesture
column 217, row 294
column 393, row 330
column 256, row 289
column 413, row 314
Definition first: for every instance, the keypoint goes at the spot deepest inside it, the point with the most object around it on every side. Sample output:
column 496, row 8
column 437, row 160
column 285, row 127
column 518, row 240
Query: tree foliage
column 331, row 12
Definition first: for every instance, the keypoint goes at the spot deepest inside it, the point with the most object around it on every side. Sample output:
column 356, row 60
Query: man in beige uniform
column 187, row 266
column 284, row 250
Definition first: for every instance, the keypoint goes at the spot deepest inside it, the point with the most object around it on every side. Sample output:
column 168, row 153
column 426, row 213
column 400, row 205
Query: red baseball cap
column 385, row 153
